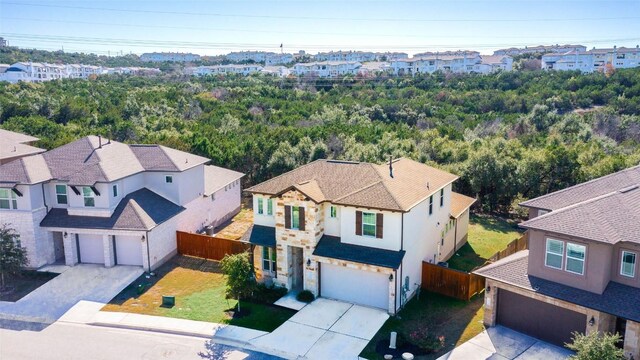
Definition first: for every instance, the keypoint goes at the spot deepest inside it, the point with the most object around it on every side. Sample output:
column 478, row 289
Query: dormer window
column 61, row 194
column 88, row 196
column 168, row 179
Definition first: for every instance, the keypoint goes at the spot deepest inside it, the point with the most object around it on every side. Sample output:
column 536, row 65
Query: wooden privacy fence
column 513, row 247
column 454, row 283
column 208, row 247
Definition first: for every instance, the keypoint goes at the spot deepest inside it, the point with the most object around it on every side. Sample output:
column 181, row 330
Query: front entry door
column 297, row 262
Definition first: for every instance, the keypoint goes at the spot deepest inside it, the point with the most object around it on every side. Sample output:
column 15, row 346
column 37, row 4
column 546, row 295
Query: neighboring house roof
column 610, row 218
column 261, row 235
column 587, row 190
column 91, row 159
column 140, row 210
column 460, row 203
column 215, row 178
column 332, row 247
column 614, row 300
column 15, row 145
column 361, row 184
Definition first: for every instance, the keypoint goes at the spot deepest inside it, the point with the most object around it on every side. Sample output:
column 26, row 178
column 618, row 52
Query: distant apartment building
column 357, row 56
column 242, row 69
column 268, row 58
column 459, row 62
column 327, row 69
column 540, row 49
column 33, row 72
column 80, row 71
column 593, row 60
column 3, row 42
column 169, row 56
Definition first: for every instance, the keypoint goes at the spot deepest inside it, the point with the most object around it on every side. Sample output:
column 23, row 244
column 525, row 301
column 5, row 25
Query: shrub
column 595, row 347
column 305, row 296
column 267, row 294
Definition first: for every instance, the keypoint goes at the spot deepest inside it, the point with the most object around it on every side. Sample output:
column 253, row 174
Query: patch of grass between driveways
column 487, row 235
column 19, row 286
column 456, row 320
column 199, row 289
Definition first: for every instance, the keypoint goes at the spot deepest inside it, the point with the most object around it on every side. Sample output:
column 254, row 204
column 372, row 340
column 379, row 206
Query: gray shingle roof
column 215, row 178
column 611, row 218
column 13, row 145
column 261, row 235
column 614, row 300
column 332, row 247
column 91, row 159
column 140, row 210
column 587, row 190
column 361, row 184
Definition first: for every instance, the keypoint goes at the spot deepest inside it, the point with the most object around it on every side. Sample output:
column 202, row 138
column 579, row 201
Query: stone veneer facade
column 37, row 241
column 603, row 322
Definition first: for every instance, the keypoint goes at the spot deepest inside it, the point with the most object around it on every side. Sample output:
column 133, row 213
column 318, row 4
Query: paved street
column 76, row 341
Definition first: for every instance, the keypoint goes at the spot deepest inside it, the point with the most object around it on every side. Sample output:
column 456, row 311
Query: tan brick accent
column 490, row 302
column 632, row 340
column 603, row 322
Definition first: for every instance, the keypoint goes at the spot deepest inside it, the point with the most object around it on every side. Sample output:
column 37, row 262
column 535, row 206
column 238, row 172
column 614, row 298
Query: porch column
column 107, row 246
column 632, row 340
column 70, row 248
column 490, row 303
column 603, row 322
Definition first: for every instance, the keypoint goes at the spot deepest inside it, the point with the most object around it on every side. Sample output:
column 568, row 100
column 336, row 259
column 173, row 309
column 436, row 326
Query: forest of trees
column 509, row 136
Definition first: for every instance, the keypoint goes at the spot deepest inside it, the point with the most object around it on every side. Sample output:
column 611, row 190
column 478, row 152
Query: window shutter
column 358, row 222
column 301, row 218
column 287, row 217
column 379, row 225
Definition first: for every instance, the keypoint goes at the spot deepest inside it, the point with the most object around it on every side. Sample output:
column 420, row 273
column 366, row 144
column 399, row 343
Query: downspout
column 401, row 248
column 44, row 198
column 455, row 236
column 148, row 254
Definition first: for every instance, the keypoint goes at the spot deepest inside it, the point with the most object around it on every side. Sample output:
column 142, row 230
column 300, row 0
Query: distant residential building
column 80, row 71
column 281, row 71
column 268, row 58
column 33, row 72
column 374, row 67
column 14, row 145
column 4, row 67
column 593, row 60
column 454, row 62
column 358, row 56
column 3, row 42
column 327, row 69
column 242, row 69
column 134, row 70
column 169, row 56
column 540, row 49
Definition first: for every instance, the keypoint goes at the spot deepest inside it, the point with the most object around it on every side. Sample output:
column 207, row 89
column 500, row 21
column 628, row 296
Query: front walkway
column 501, row 343
column 326, row 329
column 82, row 282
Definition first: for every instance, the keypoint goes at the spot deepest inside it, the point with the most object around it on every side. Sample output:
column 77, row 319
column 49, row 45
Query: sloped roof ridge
column 581, row 184
column 142, row 215
column 507, row 260
column 570, row 207
column 283, row 174
column 163, row 149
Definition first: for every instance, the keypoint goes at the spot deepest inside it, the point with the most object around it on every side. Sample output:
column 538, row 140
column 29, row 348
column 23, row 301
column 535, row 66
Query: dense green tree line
column 509, row 136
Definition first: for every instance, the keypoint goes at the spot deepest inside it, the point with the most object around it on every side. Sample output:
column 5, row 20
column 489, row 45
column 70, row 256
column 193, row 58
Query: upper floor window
column 369, row 224
column 89, row 197
column 168, row 179
column 553, row 256
column 114, row 188
column 8, row 199
column 294, row 217
column 628, row 266
column 430, row 204
column 270, row 207
column 61, row 194
column 441, row 197
column 260, row 206
column 333, row 212
column 575, row 258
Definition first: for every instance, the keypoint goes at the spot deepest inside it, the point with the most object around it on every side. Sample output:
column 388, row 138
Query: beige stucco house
column 581, row 270
column 354, row 231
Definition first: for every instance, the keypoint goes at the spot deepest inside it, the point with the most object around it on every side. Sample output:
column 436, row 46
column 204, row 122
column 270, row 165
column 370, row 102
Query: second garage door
column 538, row 319
column 91, row 249
column 356, row 286
column 128, row 250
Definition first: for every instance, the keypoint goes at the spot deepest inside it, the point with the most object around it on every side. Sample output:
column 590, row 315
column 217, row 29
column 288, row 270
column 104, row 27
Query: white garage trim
column 352, row 285
column 128, row 250
column 90, row 248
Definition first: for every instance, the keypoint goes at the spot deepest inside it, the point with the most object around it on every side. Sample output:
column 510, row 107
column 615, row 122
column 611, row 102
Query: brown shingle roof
column 460, row 203
column 13, row 145
column 585, row 191
column 361, row 184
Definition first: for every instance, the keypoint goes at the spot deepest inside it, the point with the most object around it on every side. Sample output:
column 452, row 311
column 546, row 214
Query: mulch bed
column 21, row 285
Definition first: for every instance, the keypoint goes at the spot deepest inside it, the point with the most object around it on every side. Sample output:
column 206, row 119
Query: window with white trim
column 61, row 194
column 260, row 204
column 554, row 253
column 295, row 217
column 269, row 259
column 270, row 207
column 168, row 179
column 430, row 204
column 441, row 197
column 333, row 212
column 369, row 224
column 89, row 197
column 8, row 199
column 114, row 189
column 575, row 258
column 628, row 264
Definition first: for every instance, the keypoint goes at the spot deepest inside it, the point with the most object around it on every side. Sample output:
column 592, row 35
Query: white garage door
column 91, row 249
column 356, row 286
column 128, row 250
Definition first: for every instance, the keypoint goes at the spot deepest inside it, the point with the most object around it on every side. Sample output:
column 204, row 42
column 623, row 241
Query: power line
column 403, row 20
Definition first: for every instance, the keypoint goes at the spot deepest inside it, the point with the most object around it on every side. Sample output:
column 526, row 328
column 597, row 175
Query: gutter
column 44, row 197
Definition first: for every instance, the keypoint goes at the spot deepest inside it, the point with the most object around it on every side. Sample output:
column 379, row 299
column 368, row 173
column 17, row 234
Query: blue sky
column 214, row 27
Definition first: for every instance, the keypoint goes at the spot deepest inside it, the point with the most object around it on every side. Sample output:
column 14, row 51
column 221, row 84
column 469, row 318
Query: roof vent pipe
column 391, row 166
column 99, row 142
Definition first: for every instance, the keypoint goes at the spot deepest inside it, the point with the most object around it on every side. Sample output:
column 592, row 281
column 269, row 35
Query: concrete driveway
column 501, row 343
column 81, row 282
column 326, row 329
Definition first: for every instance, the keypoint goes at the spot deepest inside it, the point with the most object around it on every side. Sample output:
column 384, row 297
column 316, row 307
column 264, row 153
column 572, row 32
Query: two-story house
column 581, row 270
column 104, row 202
column 355, row 231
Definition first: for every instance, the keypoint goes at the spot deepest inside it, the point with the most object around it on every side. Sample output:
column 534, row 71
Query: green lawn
column 456, row 320
column 487, row 236
column 199, row 288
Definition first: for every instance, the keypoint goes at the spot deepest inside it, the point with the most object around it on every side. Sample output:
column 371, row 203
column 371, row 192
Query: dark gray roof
column 332, row 247
column 614, row 300
column 140, row 210
column 261, row 235
column 610, row 219
column 587, row 190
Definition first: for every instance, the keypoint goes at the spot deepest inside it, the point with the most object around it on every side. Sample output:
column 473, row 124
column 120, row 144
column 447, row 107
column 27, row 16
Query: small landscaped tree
column 13, row 257
column 596, row 346
column 239, row 272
